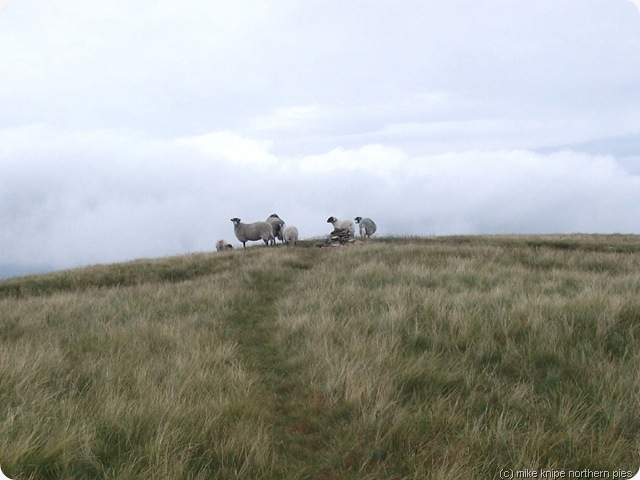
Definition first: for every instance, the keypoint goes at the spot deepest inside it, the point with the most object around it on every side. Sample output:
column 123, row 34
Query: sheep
column 367, row 226
column 276, row 223
column 252, row 231
column 342, row 225
column 290, row 235
column 223, row 245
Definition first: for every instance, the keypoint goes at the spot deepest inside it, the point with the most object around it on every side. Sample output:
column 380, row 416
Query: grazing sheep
column 252, row 231
column 223, row 245
column 290, row 235
column 342, row 225
column 276, row 223
column 367, row 226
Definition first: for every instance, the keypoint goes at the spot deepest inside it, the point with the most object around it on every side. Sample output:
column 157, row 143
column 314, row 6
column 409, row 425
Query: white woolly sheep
column 276, row 224
column 223, row 245
column 342, row 225
column 290, row 235
column 367, row 226
column 252, row 231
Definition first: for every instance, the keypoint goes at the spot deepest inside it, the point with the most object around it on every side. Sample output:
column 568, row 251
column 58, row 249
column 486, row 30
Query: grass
column 444, row 357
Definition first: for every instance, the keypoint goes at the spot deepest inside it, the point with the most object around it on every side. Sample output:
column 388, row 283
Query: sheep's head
column 236, row 221
column 274, row 215
column 332, row 219
column 357, row 219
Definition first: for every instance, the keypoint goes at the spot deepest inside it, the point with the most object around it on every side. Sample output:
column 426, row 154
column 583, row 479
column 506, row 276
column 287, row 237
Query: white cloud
column 72, row 201
column 228, row 146
column 287, row 117
column 372, row 159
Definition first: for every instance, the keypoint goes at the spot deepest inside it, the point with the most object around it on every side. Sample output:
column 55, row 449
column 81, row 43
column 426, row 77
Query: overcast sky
column 138, row 129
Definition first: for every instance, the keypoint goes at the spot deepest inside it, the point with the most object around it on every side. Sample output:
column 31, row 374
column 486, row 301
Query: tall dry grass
column 464, row 356
column 139, row 381
column 402, row 358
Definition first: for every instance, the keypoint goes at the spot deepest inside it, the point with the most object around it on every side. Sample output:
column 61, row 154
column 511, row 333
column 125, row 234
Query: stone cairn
column 338, row 238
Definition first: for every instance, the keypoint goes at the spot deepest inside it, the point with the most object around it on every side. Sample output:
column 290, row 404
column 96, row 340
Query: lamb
column 342, row 225
column 222, row 245
column 367, row 226
column 276, row 223
column 252, row 231
column 290, row 235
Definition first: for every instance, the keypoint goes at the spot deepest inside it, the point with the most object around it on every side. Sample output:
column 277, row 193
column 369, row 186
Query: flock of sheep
column 274, row 229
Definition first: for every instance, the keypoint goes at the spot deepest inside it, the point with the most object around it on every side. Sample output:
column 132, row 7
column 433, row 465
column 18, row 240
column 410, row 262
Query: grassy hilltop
column 438, row 358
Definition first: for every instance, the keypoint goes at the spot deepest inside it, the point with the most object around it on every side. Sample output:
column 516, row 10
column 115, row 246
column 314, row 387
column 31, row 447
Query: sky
column 136, row 130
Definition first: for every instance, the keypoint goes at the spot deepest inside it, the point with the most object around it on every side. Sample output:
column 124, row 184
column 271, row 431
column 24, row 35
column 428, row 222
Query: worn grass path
column 302, row 424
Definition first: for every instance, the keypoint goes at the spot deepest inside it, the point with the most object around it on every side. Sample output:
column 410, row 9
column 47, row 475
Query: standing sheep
column 252, row 231
column 367, row 226
column 223, row 245
column 342, row 225
column 290, row 235
column 276, row 223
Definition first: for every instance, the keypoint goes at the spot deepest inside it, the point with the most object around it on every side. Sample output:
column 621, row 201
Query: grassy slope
column 403, row 358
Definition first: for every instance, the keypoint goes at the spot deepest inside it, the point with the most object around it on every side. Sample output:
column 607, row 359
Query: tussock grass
column 444, row 357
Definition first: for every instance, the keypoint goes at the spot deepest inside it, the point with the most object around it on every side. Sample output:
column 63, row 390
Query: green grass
column 435, row 358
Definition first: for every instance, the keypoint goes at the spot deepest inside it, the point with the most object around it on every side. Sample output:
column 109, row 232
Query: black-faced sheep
column 342, row 225
column 252, row 231
column 367, row 226
column 276, row 224
column 222, row 245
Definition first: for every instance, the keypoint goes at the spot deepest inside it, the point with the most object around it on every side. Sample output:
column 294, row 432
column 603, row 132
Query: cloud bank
column 68, row 203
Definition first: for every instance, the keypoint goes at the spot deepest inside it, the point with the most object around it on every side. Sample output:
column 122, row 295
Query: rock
column 338, row 238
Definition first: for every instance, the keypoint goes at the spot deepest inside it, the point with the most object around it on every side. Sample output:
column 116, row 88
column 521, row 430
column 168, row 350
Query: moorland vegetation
column 435, row 358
